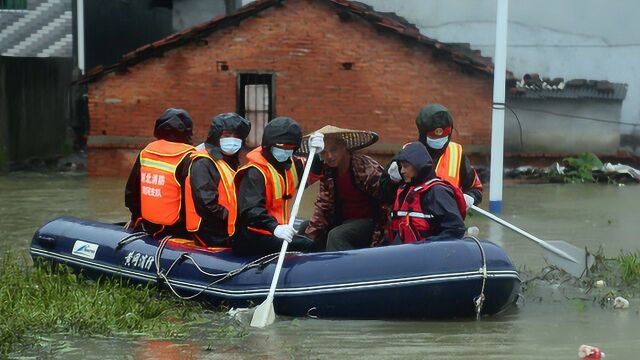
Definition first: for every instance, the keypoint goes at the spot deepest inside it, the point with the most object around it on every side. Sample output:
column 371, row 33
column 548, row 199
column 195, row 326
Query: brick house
column 318, row 61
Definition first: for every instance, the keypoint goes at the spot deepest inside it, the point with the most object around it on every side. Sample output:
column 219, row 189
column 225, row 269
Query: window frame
column 246, row 78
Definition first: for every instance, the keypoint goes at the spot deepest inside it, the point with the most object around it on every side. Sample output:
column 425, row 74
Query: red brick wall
column 304, row 43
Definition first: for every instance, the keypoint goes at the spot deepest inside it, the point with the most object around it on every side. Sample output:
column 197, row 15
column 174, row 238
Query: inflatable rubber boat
column 441, row 279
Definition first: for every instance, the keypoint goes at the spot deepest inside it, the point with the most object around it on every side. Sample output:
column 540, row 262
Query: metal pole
column 497, row 122
column 80, row 32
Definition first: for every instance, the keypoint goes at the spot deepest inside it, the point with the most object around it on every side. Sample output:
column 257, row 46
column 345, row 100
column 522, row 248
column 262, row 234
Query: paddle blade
column 264, row 314
column 576, row 269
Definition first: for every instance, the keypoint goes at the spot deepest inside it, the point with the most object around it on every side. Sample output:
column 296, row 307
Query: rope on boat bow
column 479, row 300
column 163, row 276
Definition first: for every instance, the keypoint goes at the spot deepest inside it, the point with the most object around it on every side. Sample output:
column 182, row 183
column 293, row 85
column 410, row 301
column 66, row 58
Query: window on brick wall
column 13, row 4
column 255, row 101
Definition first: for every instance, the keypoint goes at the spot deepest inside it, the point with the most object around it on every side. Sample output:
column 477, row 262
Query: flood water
column 549, row 328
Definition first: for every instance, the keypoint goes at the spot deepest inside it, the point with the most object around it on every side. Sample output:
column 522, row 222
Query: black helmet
column 282, row 130
column 431, row 117
column 229, row 122
column 174, row 125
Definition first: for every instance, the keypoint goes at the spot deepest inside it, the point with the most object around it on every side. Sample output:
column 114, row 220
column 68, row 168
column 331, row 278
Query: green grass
column 629, row 264
column 38, row 301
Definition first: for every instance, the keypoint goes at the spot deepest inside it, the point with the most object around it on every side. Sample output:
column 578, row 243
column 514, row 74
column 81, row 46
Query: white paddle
column 564, row 255
column 264, row 314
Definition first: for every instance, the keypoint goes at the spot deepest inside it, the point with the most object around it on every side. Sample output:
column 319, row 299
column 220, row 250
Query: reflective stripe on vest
column 278, row 191
column 414, row 214
column 160, row 191
column 448, row 167
column 226, row 194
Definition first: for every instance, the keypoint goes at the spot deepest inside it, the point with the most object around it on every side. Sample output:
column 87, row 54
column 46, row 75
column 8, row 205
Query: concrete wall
column 593, row 39
column 544, row 131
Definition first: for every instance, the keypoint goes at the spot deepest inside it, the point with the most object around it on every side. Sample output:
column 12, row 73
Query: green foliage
column 630, row 268
column 580, row 168
column 39, row 300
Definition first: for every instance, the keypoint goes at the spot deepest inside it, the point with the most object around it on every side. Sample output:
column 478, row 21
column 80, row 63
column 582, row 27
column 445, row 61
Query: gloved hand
column 394, row 172
column 469, row 200
column 284, row 232
column 316, row 140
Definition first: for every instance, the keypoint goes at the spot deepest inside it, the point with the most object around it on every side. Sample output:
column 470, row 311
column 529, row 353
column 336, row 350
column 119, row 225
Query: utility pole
column 497, row 121
column 80, row 33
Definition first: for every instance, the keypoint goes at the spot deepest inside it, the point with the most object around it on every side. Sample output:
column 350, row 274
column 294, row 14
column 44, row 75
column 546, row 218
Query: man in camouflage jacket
column 363, row 175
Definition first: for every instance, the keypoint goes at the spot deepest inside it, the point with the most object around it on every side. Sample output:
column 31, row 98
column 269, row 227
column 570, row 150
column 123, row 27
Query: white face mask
column 230, row 145
column 437, row 143
column 280, row 154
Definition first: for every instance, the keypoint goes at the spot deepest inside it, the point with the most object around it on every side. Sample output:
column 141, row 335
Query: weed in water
column 607, row 279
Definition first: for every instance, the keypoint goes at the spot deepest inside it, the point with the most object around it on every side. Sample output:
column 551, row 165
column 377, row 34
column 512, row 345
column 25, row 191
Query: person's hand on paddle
column 469, row 200
column 284, row 232
column 316, row 140
column 394, row 172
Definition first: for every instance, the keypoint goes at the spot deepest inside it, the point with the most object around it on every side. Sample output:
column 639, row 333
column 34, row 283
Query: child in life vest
column 426, row 207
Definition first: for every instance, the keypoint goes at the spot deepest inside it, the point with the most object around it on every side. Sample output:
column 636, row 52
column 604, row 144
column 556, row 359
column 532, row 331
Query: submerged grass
column 607, row 279
column 44, row 300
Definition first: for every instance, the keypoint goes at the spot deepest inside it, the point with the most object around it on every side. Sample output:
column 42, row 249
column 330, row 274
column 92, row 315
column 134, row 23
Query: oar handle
column 294, row 213
column 301, row 187
column 540, row 242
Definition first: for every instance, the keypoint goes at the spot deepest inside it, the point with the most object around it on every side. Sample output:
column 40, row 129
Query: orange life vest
column 226, row 194
column 279, row 191
column 160, row 191
column 448, row 167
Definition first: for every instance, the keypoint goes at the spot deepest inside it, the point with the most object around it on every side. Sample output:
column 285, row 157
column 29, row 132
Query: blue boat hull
column 423, row 280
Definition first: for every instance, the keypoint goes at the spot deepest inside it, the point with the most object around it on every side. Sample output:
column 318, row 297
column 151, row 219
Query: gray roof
column 532, row 87
column 43, row 30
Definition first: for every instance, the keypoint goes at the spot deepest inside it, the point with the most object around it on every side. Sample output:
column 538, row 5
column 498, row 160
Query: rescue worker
column 347, row 213
column 426, row 207
column 266, row 189
column 154, row 192
column 435, row 126
column 210, row 190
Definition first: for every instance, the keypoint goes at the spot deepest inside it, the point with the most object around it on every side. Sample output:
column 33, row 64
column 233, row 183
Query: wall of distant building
column 113, row 28
column 590, row 39
column 34, row 109
column 546, row 127
column 187, row 13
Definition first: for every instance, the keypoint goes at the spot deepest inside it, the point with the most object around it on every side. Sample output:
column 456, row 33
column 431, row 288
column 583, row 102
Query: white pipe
column 497, row 121
column 80, row 32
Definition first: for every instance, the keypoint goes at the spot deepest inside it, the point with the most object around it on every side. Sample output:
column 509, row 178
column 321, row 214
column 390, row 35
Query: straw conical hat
column 354, row 139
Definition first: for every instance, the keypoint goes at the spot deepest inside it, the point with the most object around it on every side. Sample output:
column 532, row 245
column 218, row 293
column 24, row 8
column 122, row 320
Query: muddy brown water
column 549, row 327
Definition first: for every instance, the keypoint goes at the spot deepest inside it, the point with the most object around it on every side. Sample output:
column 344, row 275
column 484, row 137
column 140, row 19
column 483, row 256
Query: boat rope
column 163, row 276
column 479, row 300
column 129, row 238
